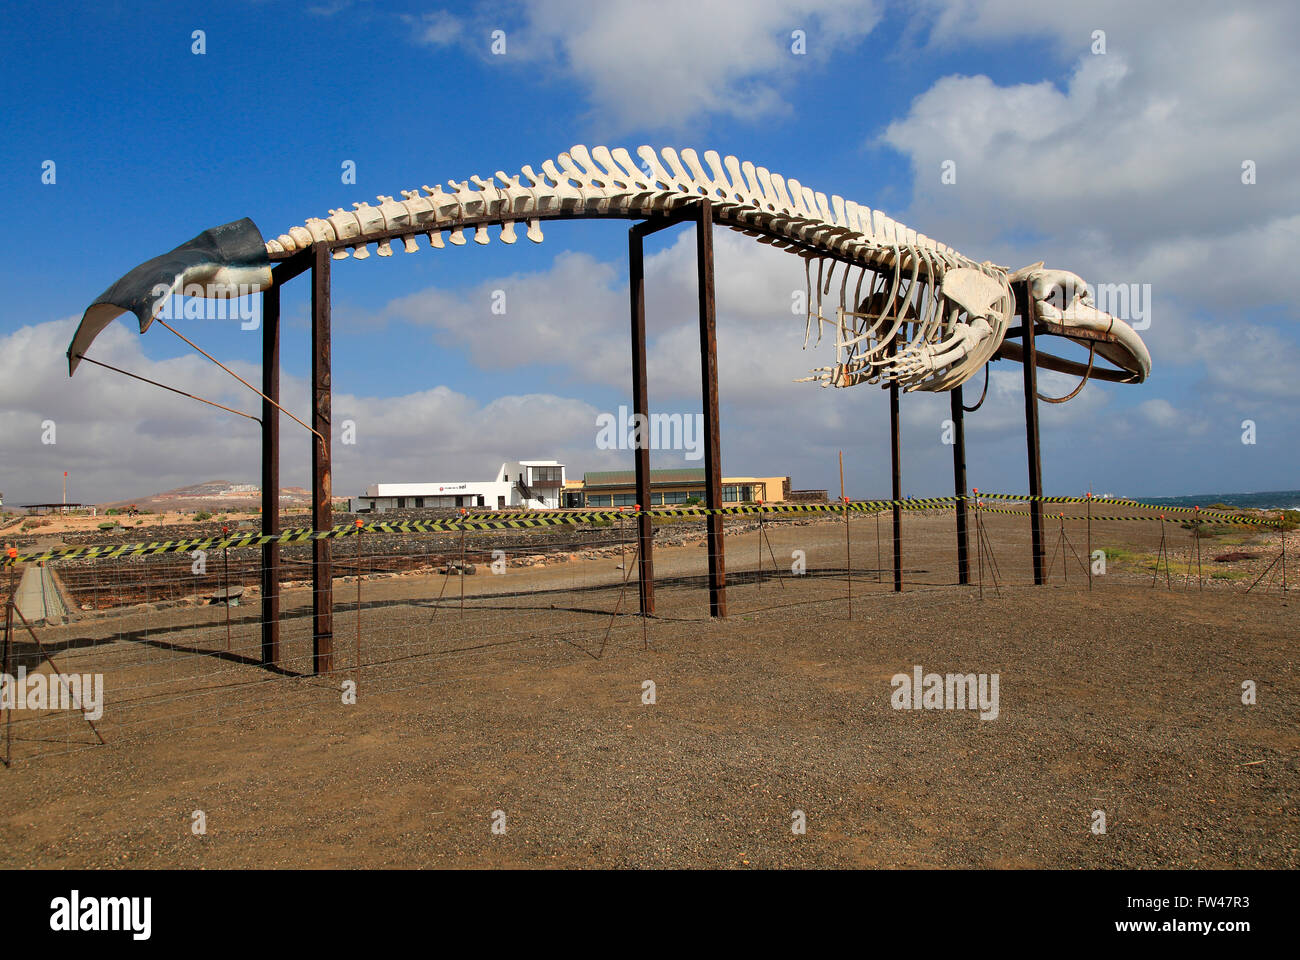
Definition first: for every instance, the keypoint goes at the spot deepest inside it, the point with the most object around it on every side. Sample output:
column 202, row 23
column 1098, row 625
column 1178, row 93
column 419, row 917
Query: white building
column 521, row 484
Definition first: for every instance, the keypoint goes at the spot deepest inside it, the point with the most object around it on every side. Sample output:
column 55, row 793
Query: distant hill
column 212, row 496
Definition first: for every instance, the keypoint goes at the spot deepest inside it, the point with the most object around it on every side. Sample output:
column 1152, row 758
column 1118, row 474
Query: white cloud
column 666, row 64
column 569, row 315
column 1247, row 363
column 1131, row 171
column 439, row 434
column 112, row 432
column 120, row 438
column 574, row 315
column 438, row 28
column 1140, row 143
column 769, row 423
column 1160, row 413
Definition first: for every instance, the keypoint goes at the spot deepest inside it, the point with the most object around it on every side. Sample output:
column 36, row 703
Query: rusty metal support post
column 709, row 378
column 641, row 409
column 322, row 504
column 225, row 577
column 1089, row 547
column 895, row 456
column 959, row 483
column 8, row 668
column 1025, row 305
column 357, row 673
column 271, row 474
column 1200, row 579
column 848, row 542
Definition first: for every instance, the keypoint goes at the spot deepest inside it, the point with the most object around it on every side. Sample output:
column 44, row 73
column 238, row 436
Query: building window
column 625, row 499
column 419, row 502
column 401, row 503
column 547, row 476
column 598, row 500
column 673, row 496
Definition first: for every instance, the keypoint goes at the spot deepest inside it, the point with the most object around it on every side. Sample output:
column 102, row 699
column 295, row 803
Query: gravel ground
column 1124, row 699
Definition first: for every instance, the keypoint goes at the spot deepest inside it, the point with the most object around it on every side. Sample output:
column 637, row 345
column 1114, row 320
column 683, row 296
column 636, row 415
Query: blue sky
column 1123, row 166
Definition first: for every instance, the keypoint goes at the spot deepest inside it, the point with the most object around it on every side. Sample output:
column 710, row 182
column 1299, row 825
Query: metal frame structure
column 316, row 260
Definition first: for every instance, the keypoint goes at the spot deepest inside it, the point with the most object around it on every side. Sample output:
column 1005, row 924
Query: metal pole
column 1281, row 522
column 848, row 560
column 1025, row 302
column 8, row 669
column 895, row 452
column 880, row 570
column 357, row 680
column 709, row 388
column 959, row 483
column 322, row 505
column 1169, row 583
column 641, row 409
column 1089, row 499
column 1200, row 582
column 1065, row 567
column 271, row 474
column 225, row 575
column 770, row 552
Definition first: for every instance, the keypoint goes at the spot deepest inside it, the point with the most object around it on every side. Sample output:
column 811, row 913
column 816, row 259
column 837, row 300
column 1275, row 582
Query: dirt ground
column 526, row 711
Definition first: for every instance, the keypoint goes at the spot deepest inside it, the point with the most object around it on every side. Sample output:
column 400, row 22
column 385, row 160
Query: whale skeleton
column 920, row 314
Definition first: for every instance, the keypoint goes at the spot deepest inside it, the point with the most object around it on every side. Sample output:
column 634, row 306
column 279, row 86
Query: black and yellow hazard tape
column 468, row 522
column 524, row 521
column 1076, row 516
column 1204, row 515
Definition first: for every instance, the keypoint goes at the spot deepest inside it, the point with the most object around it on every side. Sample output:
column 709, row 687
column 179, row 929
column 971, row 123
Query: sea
column 1266, row 500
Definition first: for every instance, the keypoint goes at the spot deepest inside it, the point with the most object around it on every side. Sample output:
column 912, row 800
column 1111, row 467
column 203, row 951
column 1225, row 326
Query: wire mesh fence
column 160, row 642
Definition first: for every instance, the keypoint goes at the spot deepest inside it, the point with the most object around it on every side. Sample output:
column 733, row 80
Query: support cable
column 239, row 378
column 136, row 376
